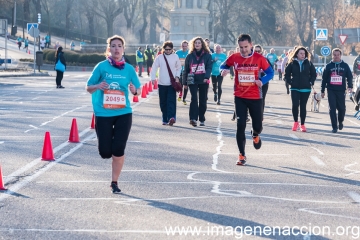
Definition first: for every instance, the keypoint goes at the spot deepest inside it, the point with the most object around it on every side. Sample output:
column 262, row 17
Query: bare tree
column 144, row 7
column 129, row 13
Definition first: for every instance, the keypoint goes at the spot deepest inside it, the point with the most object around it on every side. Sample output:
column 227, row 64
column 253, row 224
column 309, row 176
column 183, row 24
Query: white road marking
column 220, row 144
column 1, row 142
column 352, row 121
column 355, row 196
column 317, row 160
column 279, row 122
column 327, row 214
column 35, row 98
column 347, row 168
column 320, row 152
column 293, row 136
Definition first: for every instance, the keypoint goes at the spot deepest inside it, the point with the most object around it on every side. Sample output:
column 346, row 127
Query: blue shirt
column 105, row 71
column 272, row 58
column 182, row 55
column 221, row 57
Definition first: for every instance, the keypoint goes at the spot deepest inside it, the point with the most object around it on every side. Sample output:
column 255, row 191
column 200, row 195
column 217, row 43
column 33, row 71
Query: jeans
column 167, row 101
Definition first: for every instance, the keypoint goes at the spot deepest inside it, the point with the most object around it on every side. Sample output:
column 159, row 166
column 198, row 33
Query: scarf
column 120, row 65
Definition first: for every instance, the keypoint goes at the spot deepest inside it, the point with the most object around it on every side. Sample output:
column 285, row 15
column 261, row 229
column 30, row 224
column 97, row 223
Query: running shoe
column 218, row 103
column 215, row 97
column 202, row 124
column 184, row 102
column 242, row 160
column 171, row 121
column 303, row 128
column 114, row 188
column 334, row 130
column 179, row 98
column 257, row 142
column 341, row 125
column 295, row 126
column 164, row 123
column 193, row 123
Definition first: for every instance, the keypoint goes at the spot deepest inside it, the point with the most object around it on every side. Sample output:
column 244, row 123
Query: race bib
column 114, row 99
column 200, row 69
column 246, row 78
column 182, row 60
column 336, row 80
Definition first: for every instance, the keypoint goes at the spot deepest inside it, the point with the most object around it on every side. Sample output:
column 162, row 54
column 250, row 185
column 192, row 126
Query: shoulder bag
column 59, row 66
column 176, row 85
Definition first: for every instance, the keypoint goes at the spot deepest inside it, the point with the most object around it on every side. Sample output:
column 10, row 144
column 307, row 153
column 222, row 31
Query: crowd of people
column 197, row 67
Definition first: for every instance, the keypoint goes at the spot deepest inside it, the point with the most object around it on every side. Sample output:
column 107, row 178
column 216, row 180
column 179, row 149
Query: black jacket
column 303, row 79
column 341, row 69
column 205, row 60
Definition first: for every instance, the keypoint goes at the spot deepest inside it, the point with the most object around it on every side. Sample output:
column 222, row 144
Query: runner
column 218, row 57
column 247, row 91
column 333, row 79
column 300, row 74
column 182, row 55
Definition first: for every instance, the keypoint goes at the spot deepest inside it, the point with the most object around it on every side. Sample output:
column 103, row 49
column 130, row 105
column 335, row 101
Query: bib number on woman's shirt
column 114, row 99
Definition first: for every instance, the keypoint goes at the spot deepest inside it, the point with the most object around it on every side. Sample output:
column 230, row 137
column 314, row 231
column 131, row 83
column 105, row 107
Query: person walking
column 42, row 43
column 59, row 59
column 217, row 58
column 300, row 74
column 139, row 61
column 113, row 115
column 196, row 74
column 247, row 91
column 283, row 65
column 182, row 53
column 167, row 94
column 47, row 40
column 26, row 43
column 335, row 76
column 272, row 57
column 19, row 42
column 149, row 58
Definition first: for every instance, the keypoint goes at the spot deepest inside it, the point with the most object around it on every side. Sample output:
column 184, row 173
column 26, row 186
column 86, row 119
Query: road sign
column 321, row 34
column 34, row 32
column 343, row 38
column 29, row 25
column 325, row 51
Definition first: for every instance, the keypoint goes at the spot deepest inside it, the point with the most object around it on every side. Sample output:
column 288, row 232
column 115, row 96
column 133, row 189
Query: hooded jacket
column 204, row 69
column 302, row 78
column 329, row 77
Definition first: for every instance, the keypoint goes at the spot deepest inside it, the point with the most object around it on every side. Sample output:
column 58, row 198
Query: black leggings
column 59, row 77
column 255, row 109
column 113, row 133
column 299, row 99
column 216, row 82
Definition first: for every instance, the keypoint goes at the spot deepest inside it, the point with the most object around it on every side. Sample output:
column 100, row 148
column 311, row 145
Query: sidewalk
column 22, row 73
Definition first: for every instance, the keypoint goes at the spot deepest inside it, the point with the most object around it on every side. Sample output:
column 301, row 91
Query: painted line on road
column 279, row 122
column 293, row 136
column 220, row 144
column 317, row 160
column 327, row 214
column 1, row 142
column 347, row 168
column 355, row 196
column 352, row 121
column 320, row 152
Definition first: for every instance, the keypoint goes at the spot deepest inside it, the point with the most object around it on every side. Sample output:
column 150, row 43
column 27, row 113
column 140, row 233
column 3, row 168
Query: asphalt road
column 297, row 186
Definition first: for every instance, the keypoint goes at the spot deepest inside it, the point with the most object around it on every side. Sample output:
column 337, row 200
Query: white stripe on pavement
column 317, row 160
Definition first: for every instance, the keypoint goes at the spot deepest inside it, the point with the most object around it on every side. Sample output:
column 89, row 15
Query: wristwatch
column 135, row 93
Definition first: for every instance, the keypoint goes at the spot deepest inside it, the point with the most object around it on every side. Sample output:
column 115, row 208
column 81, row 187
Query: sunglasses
column 167, row 49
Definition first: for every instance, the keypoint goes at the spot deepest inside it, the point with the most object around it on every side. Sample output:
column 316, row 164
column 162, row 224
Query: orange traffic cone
column 137, row 68
column 143, row 92
column 147, row 88
column 135, row 99
column 156, row 84
column 2, row 187
column 29, row 51
column 92, row 126
column 150, row 86
column 74, row 134
column 47, row 153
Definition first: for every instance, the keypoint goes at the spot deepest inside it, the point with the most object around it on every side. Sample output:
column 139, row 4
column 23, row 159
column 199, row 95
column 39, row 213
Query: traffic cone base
column 2, row 187
column 135, row 99
column 92, row 125
column 47, row 153
column 74, row 133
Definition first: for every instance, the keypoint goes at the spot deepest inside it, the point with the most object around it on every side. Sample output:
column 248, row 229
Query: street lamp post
column 315, row 25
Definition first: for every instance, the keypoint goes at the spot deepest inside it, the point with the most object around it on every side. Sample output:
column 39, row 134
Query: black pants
column 59, row 77
column 217, row 82
column 336, row 101
column 198, row 107
column 280, row 75
column 148, row 66
column 299, row 99
column 167, row 101
column 264, row 90
column 255, row 109
column 287, row 87
column 112, row 134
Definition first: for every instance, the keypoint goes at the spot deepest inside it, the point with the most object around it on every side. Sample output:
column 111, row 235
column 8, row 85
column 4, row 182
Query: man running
column 247, row 91
column 182, row 53
column 334, row 79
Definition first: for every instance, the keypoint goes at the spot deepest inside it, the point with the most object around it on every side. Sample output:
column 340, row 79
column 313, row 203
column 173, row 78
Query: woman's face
column 198, row 44
column 116, row 49
column 301, row 55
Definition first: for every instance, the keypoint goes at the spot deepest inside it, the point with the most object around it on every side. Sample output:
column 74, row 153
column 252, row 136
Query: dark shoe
column 357, row 107
column 242, row 160
column 215, row 97
column 114, row 188
column 202, row 124
column 171, row 121
column 61, row 86
column 164, row 123
column 334, row 130
column 193, row 123
column 218, row 103
column 256, row 141
column 341, row 126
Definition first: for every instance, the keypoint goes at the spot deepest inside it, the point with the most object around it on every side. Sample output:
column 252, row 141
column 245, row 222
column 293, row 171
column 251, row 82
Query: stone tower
column 189, row 19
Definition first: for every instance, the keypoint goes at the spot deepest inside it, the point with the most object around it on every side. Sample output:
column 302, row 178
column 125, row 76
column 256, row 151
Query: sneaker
column 215, row 97
column 193, row 123
column 242, row 160
column 179, row 98
column 334, row 130
column 61, row 86
column 256, row 141
column 341, row 125
column 248, row 120
column 233, row 119
column 218, row 103
column 202, row 124
column 171, row 121
column 164, row 123
column 295, row 126
column 184, row 102
column 357, row 107
column 303, row 128
column 114, row 188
